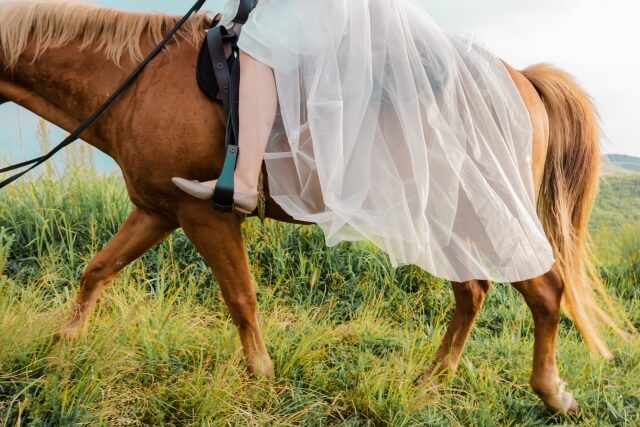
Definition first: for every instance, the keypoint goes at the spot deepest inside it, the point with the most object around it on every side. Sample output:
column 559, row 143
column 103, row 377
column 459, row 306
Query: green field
column 618, row 203
column 347, row 333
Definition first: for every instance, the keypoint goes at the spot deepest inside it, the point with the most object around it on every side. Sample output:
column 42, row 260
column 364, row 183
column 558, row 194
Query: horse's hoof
column 262, row 368
column 67, row 334
column 429, row 379
column 568, row 404
column 574, row 408
column 434, row 376
column 562, row 402
column 565, row 404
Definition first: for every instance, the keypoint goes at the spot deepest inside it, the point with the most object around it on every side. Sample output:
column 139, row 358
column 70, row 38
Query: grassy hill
column 620, row 163
column 348, row 333
column 618, row 202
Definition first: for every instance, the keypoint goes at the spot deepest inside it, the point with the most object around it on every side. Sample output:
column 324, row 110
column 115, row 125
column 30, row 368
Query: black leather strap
column 223, row 194
column 219, row 63
column 244, row 9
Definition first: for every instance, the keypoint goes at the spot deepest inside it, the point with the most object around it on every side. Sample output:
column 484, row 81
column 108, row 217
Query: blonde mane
column 55, row 23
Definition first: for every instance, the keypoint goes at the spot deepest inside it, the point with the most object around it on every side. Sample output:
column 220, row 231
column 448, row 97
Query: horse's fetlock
column 541, row 388
column 243, row 302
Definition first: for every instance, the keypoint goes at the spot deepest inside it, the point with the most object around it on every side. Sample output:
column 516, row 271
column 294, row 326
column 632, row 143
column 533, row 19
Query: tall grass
column 348, row 334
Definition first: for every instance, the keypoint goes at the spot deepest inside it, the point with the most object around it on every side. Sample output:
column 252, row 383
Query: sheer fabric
column 392, row 131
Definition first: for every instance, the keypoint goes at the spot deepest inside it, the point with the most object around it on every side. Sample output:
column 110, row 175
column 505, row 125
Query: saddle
column 218, row 46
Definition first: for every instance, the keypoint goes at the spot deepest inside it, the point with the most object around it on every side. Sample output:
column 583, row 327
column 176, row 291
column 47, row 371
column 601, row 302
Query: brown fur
column 164, row 127
column 469, row 297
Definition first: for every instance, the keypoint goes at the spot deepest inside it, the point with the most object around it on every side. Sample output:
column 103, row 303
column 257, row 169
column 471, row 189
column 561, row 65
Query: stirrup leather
column 227, row 74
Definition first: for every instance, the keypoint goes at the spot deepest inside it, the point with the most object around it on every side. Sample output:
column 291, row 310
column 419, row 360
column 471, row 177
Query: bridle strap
column 73, row 136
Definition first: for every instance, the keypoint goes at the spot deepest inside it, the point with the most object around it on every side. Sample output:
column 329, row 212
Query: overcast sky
column 597, row 41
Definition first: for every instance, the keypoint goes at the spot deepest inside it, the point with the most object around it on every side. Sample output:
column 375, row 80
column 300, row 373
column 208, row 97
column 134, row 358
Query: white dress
column 392, row 131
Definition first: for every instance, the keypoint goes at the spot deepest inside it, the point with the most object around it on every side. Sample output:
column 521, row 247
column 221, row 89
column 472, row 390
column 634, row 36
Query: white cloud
column 596, row 41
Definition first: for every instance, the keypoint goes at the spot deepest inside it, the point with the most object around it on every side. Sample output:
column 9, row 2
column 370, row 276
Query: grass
column 347, row 333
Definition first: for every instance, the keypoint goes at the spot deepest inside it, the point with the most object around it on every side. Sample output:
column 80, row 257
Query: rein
column 75, row 135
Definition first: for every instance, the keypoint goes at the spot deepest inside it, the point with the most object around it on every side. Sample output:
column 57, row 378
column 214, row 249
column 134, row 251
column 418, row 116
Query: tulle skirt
column 392, row 131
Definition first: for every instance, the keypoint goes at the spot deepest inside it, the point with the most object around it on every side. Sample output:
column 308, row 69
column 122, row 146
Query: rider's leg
column 258, row 103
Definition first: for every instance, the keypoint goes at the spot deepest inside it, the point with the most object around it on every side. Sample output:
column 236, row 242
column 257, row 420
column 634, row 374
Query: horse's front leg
column 218, row 238
column 469, row 298
column 138, row 234
column 543, row 295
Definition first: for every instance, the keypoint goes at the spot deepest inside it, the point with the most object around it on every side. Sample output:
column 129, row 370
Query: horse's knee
column 470, row 296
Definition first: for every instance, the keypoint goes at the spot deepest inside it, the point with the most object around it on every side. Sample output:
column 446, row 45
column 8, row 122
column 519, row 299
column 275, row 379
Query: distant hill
column 618, row 202
column 620, row 163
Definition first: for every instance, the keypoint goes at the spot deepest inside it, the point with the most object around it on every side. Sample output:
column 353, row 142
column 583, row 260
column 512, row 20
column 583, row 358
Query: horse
column 60, row 59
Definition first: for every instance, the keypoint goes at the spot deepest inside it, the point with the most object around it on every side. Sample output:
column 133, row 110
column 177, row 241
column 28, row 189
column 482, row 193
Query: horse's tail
column 567, row 194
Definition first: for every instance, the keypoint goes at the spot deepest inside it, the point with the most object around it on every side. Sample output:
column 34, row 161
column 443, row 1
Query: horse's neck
column 64, row 86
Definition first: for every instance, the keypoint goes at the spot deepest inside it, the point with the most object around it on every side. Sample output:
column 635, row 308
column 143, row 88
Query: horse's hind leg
column 138, row 234
column 218, row 238
column 469, row 298
column 543, row 296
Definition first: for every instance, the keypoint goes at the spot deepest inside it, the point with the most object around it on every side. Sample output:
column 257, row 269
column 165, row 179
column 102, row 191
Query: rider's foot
column 243, row 202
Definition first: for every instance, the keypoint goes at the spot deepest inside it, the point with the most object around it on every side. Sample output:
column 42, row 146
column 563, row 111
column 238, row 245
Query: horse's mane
column 54, row 23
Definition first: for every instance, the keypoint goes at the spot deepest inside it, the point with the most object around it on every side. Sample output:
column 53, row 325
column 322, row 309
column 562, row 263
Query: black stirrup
column 244, row 9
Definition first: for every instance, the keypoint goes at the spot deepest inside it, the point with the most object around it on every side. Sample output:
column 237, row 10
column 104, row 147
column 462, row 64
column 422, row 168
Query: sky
column 596, row 41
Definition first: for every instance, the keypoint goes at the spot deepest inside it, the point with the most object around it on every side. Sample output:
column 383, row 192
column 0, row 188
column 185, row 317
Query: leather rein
column 75, row 135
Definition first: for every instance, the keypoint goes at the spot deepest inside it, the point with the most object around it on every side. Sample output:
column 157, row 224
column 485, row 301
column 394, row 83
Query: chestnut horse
column 61, row 59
